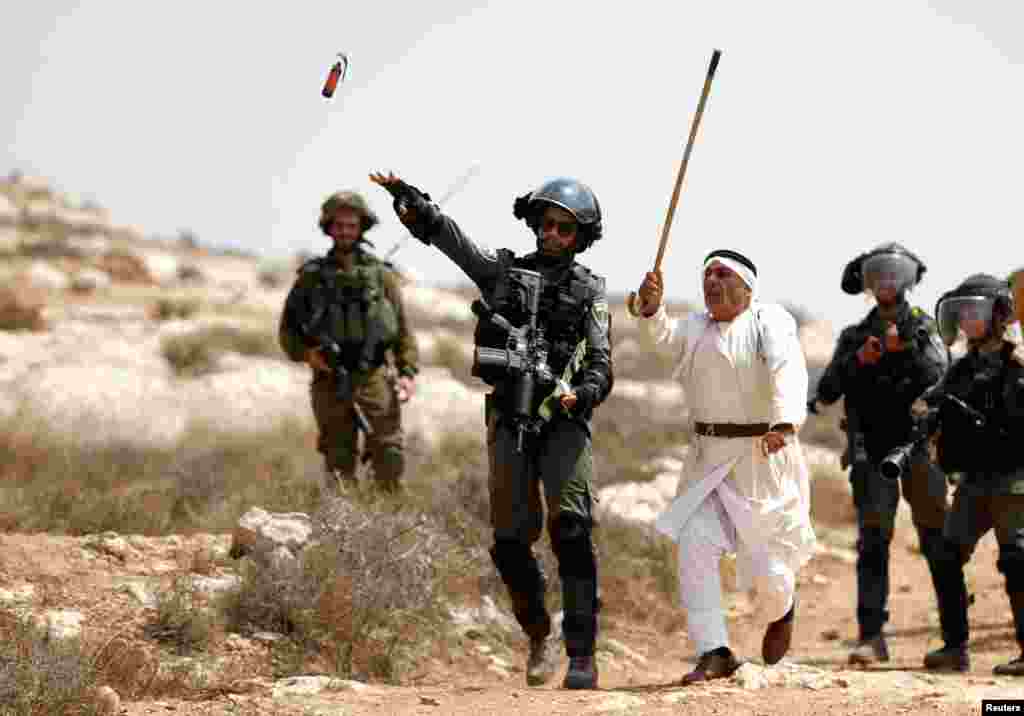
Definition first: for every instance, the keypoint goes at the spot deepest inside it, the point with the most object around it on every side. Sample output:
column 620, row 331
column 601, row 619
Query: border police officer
column 573, row 317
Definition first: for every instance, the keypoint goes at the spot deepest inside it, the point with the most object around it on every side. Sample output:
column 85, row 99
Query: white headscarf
column 745, row 272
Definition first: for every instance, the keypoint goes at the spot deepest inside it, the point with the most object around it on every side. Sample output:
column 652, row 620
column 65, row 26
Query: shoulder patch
column 602, row 316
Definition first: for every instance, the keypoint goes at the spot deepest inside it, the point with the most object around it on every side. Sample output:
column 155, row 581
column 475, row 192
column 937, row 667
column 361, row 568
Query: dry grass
column 168, row 308
column 204, row 483
column 181, row 622
column 361, row 601
column 196, row 353
column 39, row 677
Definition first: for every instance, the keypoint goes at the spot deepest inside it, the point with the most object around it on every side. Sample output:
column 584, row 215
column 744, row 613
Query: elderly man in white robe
column 744, row 489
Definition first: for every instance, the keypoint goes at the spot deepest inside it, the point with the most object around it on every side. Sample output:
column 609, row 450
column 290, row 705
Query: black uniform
column 877, row 404
column 981, row 437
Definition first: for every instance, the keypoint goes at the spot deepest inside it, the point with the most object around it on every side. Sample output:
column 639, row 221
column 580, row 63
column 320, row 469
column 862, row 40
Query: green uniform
column 361, row 309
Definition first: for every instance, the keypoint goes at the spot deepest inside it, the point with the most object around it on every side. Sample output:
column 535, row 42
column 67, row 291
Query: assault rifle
column 334, row 357
column 524, row 359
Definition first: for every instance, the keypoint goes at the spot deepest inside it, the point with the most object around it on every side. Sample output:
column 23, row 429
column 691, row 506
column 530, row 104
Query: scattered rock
column 261, row 533
column 63, row 624
column 108, row 703
column 42, row 275
column 140, row 592
column 751, row 677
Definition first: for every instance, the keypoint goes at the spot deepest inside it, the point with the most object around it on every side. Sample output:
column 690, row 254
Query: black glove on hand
column 586, row 395
column 414, row 209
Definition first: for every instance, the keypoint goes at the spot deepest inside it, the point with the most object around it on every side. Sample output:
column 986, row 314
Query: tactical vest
column 563, row 309
column 354, row 310
column 963, row 445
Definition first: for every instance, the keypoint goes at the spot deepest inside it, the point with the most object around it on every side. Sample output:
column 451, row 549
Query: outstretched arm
column 426, row 222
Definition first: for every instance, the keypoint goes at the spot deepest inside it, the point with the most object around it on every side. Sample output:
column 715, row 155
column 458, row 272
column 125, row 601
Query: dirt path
column 644, row 645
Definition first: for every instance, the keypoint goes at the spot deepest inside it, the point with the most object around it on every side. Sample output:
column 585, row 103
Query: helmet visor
column 888, row 272
column 971, row 315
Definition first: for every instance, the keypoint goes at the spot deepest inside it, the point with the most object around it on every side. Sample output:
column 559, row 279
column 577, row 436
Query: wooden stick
column 663, row 243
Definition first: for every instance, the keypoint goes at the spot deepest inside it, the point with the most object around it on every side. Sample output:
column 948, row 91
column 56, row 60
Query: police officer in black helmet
column 980, row 437
column 880, row 366
column 573, row 315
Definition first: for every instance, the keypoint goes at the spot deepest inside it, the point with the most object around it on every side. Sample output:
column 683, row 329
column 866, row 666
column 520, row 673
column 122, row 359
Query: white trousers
column 709, row 534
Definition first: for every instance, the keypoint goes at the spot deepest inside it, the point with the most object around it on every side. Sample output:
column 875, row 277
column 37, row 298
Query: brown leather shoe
column 777, row 637
column 713, row 665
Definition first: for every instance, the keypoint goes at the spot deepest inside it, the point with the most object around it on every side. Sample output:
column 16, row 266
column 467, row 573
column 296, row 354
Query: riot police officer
column 573, row 317
column 881, row 365
column 978, row 413
column 352, row 302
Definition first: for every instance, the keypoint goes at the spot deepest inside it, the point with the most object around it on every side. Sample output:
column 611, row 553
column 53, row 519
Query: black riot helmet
column 981, row 299
column 890, row 263
column 568, row 194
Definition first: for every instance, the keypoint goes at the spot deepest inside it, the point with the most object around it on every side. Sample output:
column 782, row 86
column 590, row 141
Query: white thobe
column 731, row 497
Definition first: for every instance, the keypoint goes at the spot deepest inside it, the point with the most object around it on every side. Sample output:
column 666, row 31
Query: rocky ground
column 105, row 586
column 103, row 347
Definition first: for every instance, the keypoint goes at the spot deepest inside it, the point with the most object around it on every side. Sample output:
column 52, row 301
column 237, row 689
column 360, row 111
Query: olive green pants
column 560, row 459
column 338, row 439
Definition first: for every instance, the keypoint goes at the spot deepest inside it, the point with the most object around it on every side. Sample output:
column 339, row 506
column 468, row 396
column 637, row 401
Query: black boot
column 579, row 600
column 872, row 595
column 947, row 572
column 526, row 584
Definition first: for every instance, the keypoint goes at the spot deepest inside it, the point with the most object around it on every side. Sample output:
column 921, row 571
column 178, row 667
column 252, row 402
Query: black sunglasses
column 565, row 228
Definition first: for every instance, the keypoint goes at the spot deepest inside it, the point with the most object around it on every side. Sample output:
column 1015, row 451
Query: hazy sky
column 831, row 127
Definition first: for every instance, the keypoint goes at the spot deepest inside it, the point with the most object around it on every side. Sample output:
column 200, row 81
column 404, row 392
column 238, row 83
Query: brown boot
column 778, row 636
column 870, row 651
column 717, row 664
column 1011, row 668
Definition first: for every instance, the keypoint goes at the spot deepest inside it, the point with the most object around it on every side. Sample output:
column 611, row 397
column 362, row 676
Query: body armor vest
column 966, row 444
column 564, row 306
column 354, row 310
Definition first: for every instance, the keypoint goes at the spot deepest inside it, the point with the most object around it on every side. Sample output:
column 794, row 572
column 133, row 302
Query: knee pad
column 518, row 567
column 573, row 547
column 1011, row 564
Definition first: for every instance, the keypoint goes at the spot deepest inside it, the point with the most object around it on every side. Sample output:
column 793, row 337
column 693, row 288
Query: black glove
column 586, row 396
column 408, row 198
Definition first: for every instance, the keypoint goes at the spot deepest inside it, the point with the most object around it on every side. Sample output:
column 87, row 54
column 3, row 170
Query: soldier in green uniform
column 880, row 366
column 353, row 300
column 979, row 436
column 565, row 219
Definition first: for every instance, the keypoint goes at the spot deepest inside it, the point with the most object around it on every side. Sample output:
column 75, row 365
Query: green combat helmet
column 346, row 200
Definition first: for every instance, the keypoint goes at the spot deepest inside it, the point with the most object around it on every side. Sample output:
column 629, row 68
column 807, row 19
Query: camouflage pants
column 560, row 459
column 338, row 436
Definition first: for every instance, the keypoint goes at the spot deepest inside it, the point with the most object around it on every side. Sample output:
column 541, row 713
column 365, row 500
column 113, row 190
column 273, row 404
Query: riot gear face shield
column 970, row 314
column 888, row 275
